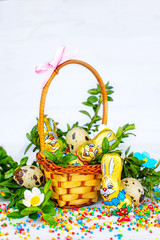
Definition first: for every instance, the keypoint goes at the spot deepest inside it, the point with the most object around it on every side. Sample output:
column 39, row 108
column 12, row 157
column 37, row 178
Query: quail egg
column 29, row 176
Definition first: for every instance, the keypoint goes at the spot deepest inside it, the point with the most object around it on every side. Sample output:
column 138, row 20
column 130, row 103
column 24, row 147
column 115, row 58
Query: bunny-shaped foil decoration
column 116, row 201
column 51, row 138
column 93, row 148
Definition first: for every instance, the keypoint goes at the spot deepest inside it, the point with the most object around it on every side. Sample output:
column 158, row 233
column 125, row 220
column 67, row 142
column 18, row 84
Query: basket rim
column 70, row 169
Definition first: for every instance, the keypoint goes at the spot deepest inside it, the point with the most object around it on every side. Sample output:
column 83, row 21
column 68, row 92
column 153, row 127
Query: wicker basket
column 73, row 186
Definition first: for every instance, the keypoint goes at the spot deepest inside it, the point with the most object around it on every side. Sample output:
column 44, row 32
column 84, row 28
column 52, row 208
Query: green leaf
column 92, row 99
column 105, row 145
column 109, row 92
column 126, row 125
column 47, row 185
column 9, row 173
column 33, row 215
column 88, row 104
column 29, row 137
column 93, row 91
column 134, row 170
column 110, row 99
column 58, row 153
column 127, row 151
column 23, row 161
column 48, row 209
column 119, row 132
column 9, row 184
column 98, row 118
column 30, row 210
column 68, row 127
column 15, row 214
column 27, row 148
column 34, row 131
column 5, row 192
column 69, row 157
column 157, row 194
column 12, row 203
column 130, row 127
column 49, row 219
column 4, row 160
column 157, row 165
column 20, row 206
column 49, row 155
column 86, row 113
column 3, row 153
column 1, row 177
column 47, row 197
column 51, row 203
column 115, row 144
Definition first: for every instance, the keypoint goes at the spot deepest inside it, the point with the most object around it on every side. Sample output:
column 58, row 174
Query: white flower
column 33, row 198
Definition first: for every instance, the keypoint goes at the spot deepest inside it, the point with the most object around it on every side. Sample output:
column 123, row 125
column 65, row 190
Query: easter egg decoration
column 29, row 176
column 134, row 189
column 76, row 137
column 93, row 148
column 51, row 138
column 116, row 200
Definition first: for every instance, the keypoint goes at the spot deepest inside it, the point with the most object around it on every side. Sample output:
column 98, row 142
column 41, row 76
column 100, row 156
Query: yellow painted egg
column 134, row 189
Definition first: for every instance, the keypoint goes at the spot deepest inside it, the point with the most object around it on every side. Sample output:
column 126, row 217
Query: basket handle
column 45, row 90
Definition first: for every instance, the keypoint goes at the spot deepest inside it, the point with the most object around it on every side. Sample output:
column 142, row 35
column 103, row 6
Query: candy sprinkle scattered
column 84, row 223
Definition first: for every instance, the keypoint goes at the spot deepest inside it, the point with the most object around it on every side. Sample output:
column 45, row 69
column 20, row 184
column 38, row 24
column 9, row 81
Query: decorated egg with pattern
column 76, row 137
column 29, row 176
column 134, row 189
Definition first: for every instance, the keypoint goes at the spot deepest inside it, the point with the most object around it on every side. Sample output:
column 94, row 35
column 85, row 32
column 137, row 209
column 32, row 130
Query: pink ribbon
column 54, row 63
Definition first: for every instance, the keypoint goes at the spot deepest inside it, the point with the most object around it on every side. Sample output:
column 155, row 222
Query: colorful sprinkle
column 83, row 223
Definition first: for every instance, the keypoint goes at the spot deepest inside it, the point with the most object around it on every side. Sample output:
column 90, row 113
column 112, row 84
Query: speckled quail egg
column 29, row 176
column 134, row 189
column 76, row 137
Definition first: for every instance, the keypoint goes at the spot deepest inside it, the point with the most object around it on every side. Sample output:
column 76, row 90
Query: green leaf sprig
column 94, row 101
column 46, row 210
column 8, row 187
column 59, row 158
column 148, row 177
column 34, row 139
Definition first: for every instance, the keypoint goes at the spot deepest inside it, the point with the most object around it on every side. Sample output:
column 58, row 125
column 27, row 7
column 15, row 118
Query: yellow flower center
column 145, row 159
column 34, row 200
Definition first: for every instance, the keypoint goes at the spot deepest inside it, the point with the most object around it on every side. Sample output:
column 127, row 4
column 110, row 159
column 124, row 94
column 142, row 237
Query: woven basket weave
column 73, row 186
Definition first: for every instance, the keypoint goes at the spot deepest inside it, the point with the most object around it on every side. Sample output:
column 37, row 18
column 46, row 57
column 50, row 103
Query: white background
column 120, row 39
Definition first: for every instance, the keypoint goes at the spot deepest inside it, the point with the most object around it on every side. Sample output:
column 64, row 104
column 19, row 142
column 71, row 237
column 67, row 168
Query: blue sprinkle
column 129, row 229
column 79, row 221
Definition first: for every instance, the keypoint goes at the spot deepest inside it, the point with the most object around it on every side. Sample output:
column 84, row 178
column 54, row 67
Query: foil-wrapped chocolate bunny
column 116, row 201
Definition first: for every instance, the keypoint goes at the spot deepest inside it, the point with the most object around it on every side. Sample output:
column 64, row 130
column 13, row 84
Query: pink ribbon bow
column 53, row 64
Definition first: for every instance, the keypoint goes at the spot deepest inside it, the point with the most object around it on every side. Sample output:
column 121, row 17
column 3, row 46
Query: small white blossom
column 33, row 198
